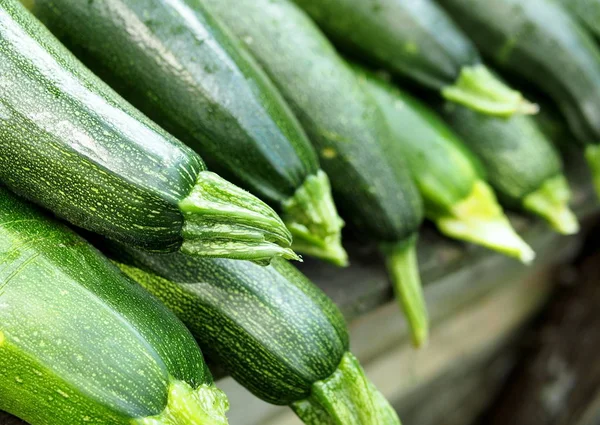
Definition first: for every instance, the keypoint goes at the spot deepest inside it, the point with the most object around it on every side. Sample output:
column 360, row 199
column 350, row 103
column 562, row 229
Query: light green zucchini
column 71, row 144
column 82, row 344
column 174, row 62
column 271, row 328
column 457, row 197
column 373, row 188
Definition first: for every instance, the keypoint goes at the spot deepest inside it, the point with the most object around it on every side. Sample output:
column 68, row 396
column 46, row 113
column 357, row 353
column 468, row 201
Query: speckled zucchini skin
column 79, row 342
column 176, row 64
column 414, row 38
column 541, row 42
column 372, row 187
column 517, row 156
column 270, row 327
column 71, row 144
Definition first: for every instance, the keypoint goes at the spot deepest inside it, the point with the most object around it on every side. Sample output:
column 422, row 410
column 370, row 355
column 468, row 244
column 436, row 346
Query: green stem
column 205, row 405
column 477, row 88
column 479, row 219
column 551, row 201
column 402, row 265
column 592, row 155
column 347, row 397
column 312, row 218
column 222, row 220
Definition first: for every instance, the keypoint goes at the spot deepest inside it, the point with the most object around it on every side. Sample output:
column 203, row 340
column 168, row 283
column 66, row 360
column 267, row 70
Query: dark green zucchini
column 272, row 329
column 521, row 163
column 71, row 144
column 448, row 175
column 417, row 39
column 180, row 67
column 81, row 343
column 372, row 187
column 541, row 42
column 587, row 11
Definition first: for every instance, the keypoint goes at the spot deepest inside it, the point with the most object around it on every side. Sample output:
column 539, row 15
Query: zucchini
column 542, row 43
column 416, row 39
column 80, row 343
column 587, row 11
column 287, row 353
column 180, row 67
column 372, row 187
column 521, row 163
column 455, row 193
column 74, row 146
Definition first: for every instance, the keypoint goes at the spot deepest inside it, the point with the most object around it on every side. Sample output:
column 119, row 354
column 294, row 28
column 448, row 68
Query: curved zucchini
column 521, row 164
column 180, row 67
column 587, row 11
column 71, row 144
column 80, row 343
column 350, row 133
column 541, row 42
column 287, row 353
column 455, row 194
column 418, row 40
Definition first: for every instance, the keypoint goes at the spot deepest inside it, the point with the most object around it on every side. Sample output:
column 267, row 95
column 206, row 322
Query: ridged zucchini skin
column 73, row 145
column 541, row 42
column 587, row 11
column 80, row 342
column 63, row 130
column 271, row 328
column 346, row 127
column 174, row 62
column 371, row 185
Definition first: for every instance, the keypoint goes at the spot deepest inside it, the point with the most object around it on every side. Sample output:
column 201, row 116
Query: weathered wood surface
column 558, row 383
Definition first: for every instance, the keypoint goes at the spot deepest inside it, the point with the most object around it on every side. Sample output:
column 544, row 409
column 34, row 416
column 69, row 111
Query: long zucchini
column 417, row 39
column 350, row 133
column 71, row 144
column 292, row 353
column 80, row 343
column 587, row 11
column 521, row 163
column 456, row 195
column 180, row 67
column 541, row 42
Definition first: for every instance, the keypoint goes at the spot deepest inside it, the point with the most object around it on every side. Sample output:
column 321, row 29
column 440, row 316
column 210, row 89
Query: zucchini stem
column 313, row 220
column 222, row 220
column 592, row 156
column 479, row 219
column 402, row 265
column 205, row 405
column 551, row 201
column 347, row 397
column 477, row 88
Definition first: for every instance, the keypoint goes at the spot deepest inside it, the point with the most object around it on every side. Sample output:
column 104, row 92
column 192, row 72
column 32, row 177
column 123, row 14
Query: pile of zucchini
column 122, row 255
